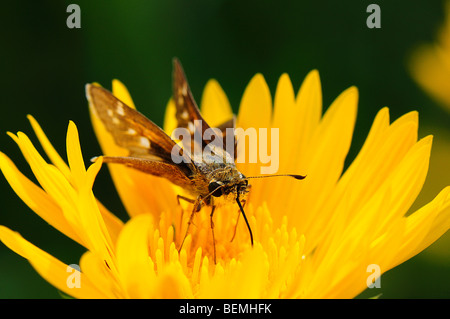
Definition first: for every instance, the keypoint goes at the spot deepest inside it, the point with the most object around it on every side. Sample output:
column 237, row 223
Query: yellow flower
column 315, row 238
column 430, row 64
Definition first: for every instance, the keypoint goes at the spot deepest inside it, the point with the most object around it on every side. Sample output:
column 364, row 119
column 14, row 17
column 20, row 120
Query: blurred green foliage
column 45, row 66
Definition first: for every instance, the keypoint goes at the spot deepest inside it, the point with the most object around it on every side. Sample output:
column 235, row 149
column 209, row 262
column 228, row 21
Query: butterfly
column 202, row 167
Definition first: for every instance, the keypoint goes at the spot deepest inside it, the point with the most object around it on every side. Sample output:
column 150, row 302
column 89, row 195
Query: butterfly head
column 228, row 182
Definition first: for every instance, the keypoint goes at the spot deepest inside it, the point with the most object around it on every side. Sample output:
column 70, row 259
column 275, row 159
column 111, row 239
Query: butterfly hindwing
column 188, row 115
column 155, row 168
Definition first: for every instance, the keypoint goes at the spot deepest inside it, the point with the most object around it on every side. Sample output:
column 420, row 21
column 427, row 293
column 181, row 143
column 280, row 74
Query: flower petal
column 52, row 181
column 323, row 162
column 93, row 266
column 97, row 235
column 50, row 268
column 49, row 149
column 215, row 107
column 297, row 118
column 37, row 199
column 74, row 156
column 419, row 233
column 256, row 95
column 255, row 113
column 134, row 265
column 382, row 152
column 170, row 121
column 285, row 120
column 121, row 92
column 243, row 279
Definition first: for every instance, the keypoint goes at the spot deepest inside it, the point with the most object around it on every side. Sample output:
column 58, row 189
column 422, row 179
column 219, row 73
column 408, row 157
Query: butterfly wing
column 150, row 148
column 156, row 168
column 188, row 116
column 187, row 111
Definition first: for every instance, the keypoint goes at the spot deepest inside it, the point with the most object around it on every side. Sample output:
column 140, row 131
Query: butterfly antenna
column 278, row 175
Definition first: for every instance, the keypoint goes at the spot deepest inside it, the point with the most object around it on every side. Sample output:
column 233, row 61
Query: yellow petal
column 284, row 103
column 256, row 105
column 215, row 107
column 49, row 149
column 74, row 156
column 426, row 69
column 255, row 112
column 52, row 181
column 35, row 198
column 407, row 180
column 244, row 279
column 285, row 120
column 121, row 92
column 93, row 266
column 309, row 105
column 133, row 262
column 97, row 235
column 323, row 162
column 112, row 222
column 419, row 234
column 172, row 284
column 296, row 122
column 50, row 268
column 170, row 122
column 376, row 231
column 383, row 151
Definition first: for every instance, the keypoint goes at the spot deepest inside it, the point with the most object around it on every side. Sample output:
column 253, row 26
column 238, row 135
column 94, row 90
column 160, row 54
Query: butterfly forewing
column 150, row 148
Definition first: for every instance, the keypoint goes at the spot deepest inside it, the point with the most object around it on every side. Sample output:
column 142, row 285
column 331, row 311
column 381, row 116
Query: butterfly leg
column 237, row 220
column 212, row 230
column 197, row 206
column 187, row 199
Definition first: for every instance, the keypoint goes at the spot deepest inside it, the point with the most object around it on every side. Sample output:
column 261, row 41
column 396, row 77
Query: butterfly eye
column 213, row 187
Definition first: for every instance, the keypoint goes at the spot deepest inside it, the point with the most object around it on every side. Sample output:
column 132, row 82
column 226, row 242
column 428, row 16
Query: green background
column 45, row 66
